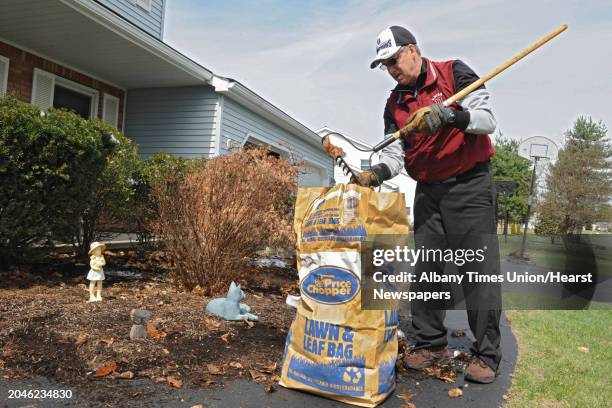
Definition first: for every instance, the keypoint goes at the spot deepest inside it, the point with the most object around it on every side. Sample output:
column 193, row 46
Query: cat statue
column 230, row 307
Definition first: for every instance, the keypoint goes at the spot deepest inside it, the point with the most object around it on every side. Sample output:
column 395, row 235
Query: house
column 107, row 59
column 360, row 161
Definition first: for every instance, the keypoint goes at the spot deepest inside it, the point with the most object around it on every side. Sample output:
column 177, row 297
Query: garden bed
column 48, row 329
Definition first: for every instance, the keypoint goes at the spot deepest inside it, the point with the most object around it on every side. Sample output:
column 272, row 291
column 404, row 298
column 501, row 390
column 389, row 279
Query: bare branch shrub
column 216, row 219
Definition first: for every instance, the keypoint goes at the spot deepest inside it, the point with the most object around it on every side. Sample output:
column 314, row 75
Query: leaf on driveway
column 257, row 376
column 269, row 389
column 269, row 368
column 457, row 333
column 445, row 374
column 106, row 370
column 455, row 392
column 127, row 375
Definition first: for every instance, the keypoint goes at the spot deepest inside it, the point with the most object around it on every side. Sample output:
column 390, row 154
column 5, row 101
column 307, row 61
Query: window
column 251, row 145
column 110, row 110
column 49, row 90
column 365, row 165
column 72, row 100
column 253, row 141
column 4, row 67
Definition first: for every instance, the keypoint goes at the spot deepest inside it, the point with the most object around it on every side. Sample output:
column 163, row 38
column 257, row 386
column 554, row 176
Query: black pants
column 460, row 214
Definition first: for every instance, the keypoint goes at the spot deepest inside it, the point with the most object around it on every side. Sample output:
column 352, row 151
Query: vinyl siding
column 180, row 120
column 151, row 22
column 238, row 122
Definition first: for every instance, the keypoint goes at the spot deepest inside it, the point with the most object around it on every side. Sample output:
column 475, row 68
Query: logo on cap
column 386, row 44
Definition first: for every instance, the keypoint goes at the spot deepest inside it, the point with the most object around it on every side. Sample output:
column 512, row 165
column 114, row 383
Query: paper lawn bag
column 334, row 348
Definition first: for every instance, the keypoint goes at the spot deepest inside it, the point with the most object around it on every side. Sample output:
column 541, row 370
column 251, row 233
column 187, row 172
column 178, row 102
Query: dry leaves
column 226, row 337
column 80, row 339
column 406, row 399
column 249, row 323
column 455, row 392
column 106, row 370
column 236, row 365
column 269, row 389
column 257, row 376
column 269, row 368
column 458, row 333
column 583, row 349
column 213, row 369
column 446, row 374
column 152, row 331
column 211, row 324
column 107, row 341
column 174, row 382
column 127, row 375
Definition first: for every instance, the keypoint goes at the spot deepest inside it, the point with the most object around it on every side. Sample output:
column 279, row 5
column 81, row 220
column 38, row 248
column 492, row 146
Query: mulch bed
column 48, row 329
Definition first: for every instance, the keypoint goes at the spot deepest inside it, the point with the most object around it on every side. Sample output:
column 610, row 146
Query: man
column 454, row 206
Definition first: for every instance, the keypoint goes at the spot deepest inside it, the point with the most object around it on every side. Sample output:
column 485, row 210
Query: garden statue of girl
column 96, row 273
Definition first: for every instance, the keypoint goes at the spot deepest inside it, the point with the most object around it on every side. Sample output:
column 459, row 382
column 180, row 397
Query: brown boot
column 479, row 371
column 425, row 357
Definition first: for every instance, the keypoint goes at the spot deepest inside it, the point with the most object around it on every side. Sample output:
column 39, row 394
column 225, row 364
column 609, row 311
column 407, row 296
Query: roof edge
column 130, row 32
column 243, row 95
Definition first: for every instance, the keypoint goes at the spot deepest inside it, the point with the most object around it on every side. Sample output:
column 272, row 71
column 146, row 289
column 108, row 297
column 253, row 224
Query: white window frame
column 5, row 79
column 110, row 97
column 82, row 89
column 255, row 139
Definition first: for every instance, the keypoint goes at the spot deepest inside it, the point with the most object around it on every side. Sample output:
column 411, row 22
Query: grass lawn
column 548, row 255
column 552, row 371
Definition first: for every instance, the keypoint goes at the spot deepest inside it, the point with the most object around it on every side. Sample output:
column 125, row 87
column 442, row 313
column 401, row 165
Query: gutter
column 123, row 28
column 246, row 97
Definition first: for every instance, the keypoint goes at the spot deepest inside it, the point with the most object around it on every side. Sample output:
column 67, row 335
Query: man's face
column 407, row 67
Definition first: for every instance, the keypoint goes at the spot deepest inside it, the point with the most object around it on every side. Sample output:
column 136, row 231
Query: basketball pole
column 529, row 200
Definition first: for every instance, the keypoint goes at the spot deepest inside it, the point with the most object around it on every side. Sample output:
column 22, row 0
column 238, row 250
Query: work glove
column 366, row 179
column 430, row 119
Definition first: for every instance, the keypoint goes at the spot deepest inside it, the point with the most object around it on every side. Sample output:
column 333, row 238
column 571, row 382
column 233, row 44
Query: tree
column 508, row 165
column 579, row 184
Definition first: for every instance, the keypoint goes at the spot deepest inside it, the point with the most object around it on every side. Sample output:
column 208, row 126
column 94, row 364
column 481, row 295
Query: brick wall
column 21, row 75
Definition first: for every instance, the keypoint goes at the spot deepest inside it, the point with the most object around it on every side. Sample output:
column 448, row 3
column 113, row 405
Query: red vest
column 447, row 153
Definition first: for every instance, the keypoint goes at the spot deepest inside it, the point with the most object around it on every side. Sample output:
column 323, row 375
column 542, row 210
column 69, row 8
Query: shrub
column 215, row 221
column 144, row 211
column 112, row 190
column 47, row 166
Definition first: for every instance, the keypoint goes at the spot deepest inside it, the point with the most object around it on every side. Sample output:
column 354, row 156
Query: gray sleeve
column 393, row 157
column 482, row 120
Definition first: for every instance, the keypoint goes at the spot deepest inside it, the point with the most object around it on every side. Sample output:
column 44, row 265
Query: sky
column 311, row 58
